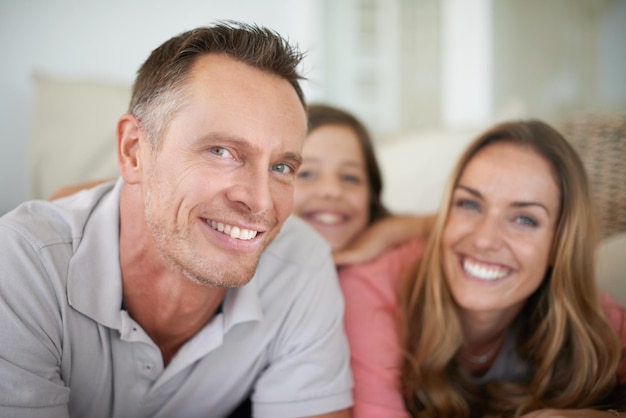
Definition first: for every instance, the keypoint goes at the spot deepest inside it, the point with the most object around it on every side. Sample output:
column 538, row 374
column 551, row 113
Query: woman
column 502, row 316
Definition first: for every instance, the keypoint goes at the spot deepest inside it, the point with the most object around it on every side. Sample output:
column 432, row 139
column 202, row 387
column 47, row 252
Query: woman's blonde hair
column 561, row 331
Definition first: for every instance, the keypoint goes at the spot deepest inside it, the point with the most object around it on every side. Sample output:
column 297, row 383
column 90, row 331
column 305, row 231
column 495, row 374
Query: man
column 182, row 288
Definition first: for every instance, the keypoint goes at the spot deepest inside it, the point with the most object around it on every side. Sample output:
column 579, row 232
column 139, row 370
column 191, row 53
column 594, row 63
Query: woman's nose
column 488, row 234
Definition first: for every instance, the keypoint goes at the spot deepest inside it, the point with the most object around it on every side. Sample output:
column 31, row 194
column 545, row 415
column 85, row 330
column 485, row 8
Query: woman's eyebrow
column 517, row 204
column 470, row 190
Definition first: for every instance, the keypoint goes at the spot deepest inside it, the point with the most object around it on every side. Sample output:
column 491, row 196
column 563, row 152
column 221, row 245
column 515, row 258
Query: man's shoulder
column 299, row 258
column 43, row 222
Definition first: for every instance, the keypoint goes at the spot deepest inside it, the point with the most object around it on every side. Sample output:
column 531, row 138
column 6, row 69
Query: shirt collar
column 94, row 276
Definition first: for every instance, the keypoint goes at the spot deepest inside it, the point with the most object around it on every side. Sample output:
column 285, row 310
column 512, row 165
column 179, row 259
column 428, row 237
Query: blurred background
column 403, row 66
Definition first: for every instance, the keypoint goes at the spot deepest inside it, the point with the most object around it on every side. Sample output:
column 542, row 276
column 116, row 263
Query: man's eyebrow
column 519, row 204
column 216, row 138
column 294, row 158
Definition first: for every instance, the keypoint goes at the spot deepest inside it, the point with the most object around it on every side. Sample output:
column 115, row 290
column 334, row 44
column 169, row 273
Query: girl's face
column 331, row 191
column 497, row 239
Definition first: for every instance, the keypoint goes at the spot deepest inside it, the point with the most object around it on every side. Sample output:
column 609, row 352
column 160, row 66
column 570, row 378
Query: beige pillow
column 73, row 135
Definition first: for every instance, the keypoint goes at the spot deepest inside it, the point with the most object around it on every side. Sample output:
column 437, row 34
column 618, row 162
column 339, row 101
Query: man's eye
column 282, row 168
column 220, row 151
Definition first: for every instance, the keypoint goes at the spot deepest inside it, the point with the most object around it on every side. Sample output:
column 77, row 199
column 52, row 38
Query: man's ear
column 129, row 143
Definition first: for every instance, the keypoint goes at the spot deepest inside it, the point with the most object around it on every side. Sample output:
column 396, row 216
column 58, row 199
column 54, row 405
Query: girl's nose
column 330, row 186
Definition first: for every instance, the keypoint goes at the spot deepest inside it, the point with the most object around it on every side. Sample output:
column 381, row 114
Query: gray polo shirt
column 67, row 347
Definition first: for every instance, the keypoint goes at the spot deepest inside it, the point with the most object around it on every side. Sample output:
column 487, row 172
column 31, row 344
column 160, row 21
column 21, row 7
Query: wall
column 556, row 58
column 384, row 60
column 108, row 40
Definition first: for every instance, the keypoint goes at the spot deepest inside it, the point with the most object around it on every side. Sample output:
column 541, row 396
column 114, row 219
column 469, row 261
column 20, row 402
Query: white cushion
column 416, row 167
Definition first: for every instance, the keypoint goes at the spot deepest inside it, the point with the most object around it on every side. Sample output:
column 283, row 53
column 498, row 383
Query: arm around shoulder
column 384, row 234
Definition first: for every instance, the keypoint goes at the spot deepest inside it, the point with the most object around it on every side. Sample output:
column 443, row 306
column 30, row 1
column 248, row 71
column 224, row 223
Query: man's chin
column 225, row 279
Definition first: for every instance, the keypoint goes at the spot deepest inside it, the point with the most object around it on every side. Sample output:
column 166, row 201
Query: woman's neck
column 483, row 337
column 482, row 328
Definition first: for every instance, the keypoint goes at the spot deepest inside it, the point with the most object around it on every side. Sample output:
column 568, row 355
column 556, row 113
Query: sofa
column 74, row 141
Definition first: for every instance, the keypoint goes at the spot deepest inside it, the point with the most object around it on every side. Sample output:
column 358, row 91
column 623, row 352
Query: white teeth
column 234, row 231
column 327, row 218
column 483, row 272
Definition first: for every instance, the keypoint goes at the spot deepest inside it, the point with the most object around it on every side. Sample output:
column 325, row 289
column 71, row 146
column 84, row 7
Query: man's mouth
column 233, row 231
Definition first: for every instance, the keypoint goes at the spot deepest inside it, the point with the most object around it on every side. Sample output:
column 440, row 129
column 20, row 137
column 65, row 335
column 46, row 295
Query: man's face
column 220, row 186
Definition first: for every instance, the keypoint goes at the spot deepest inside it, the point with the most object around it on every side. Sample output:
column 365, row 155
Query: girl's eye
column 220, row 151
column 349, row 178
column 304, row 174
column 282, row 168
column 526, row 220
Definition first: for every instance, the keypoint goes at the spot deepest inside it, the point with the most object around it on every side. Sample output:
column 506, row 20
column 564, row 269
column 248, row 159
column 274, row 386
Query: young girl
column 337, row 191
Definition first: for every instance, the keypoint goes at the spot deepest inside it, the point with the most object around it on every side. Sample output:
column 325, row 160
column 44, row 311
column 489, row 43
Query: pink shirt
column 371, row 320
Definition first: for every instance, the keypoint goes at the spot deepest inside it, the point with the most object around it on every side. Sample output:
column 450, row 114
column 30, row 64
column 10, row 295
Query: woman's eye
column 526, row 220
column 220, row 151
column 467, row 204
column 282, row 168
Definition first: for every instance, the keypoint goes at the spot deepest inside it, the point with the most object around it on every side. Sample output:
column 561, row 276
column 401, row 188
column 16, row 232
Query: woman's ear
column 129, row 142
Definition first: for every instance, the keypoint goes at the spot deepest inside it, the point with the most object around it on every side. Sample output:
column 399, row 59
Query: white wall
column 107, row 39
column 545, row 59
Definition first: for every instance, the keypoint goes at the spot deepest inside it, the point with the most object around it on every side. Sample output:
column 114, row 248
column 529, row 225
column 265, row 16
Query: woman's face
column 498, row 235
column 331, row 191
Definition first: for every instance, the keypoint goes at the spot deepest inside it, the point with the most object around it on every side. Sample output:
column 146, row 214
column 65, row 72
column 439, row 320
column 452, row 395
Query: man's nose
column 253, row 191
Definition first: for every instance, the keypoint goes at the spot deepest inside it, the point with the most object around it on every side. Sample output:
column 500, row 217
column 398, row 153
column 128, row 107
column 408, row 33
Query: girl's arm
column 382, row 235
